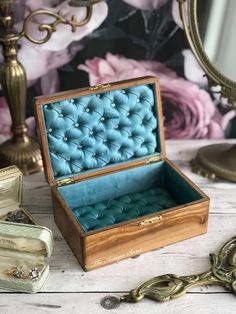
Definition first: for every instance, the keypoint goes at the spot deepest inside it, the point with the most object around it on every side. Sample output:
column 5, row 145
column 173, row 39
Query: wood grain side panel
column 160, row 120
column 42, row 138
column 190, row 182
column 132, row 239
column 69, row 228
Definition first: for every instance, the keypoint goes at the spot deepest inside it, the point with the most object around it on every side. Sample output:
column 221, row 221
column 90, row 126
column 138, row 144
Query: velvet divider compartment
column 104, row 156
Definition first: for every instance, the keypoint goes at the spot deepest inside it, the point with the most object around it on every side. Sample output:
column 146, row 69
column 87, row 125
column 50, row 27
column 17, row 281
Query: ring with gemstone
column 16, row 272
column 34, row 273
column 20, row 273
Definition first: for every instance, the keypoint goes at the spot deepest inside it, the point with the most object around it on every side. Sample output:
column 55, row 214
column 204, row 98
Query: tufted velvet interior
column 98, row 130
column 126, row 195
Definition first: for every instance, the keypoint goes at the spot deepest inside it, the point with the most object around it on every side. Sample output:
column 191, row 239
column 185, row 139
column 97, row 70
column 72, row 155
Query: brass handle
column 170, row 286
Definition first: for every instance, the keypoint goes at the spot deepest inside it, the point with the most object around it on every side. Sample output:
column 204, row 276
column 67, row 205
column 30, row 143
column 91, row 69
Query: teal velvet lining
column 94, row 131
column 128, row 194
column 122, row 209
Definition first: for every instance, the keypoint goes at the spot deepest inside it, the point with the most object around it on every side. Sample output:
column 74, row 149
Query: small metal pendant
column 170, row 286
column 110, row 302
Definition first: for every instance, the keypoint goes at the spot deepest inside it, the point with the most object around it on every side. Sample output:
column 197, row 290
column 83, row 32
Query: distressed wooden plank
column 71, row 289
column 187, row 257
column 83, row 303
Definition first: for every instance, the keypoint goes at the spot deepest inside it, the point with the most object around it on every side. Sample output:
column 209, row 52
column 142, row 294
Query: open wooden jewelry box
column 23, row 244
column 115, row 194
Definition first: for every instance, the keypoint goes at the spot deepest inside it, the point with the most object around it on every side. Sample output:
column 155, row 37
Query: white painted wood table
column 70, row 290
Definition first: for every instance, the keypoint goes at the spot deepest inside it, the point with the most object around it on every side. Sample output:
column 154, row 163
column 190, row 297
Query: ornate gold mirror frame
column 217, row 160
column 166, row 287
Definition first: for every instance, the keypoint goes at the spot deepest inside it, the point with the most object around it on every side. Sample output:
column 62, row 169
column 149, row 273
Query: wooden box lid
column 96, row 130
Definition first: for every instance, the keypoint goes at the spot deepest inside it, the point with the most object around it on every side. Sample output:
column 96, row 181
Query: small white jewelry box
column 23, row 244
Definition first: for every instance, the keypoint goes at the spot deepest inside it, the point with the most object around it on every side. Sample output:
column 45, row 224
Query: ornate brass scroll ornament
column 22, row 150
column 170, row 286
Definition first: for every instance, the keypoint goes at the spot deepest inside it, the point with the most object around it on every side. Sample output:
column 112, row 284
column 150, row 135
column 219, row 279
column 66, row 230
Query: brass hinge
column 153, row 159
column 100, row 86
column 65, row 181
column 151, row 220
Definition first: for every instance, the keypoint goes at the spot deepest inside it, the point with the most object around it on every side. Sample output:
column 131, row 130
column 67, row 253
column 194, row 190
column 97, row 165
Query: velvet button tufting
column 109, row 124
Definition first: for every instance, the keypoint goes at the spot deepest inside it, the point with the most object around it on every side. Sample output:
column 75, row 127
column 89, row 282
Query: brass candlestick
column 21, row 149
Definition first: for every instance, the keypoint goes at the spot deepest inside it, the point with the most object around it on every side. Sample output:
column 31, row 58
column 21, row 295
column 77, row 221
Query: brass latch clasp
column 151, row 220
column 153, row 159
column 65, row 181
column 100, row 86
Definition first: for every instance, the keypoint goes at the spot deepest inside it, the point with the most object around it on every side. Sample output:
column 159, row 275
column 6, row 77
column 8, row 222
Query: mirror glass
column 217, row 30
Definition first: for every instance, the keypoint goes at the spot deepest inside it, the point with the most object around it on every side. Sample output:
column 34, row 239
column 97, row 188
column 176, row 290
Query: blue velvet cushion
column 93, row 131
column 131, row 206
column 128, row 194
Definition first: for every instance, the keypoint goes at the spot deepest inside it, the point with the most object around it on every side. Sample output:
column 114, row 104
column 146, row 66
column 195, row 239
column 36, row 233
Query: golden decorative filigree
column 50, row 28
column 165, row 287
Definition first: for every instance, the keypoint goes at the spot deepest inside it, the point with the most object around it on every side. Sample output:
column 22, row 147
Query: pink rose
column 189, row 111
column 5, row 126
column 147, row 4
column 115, row 67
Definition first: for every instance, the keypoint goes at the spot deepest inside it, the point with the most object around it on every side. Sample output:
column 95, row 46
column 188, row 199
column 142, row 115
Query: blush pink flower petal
column 176, row 13
column 189, row 110
column 192, row 70
column 115, row 66
column 147, row 4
